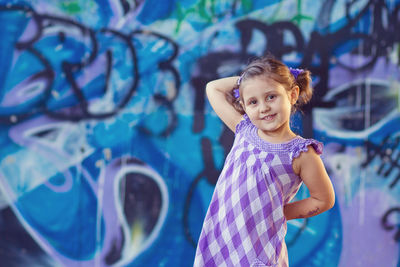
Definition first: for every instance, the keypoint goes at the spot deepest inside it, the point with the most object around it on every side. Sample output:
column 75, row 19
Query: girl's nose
column 264, row 107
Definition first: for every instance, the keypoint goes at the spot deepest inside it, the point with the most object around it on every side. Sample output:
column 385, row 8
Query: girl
column 245, row 224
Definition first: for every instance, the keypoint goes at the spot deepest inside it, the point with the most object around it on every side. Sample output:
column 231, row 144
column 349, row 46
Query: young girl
column 245, row 224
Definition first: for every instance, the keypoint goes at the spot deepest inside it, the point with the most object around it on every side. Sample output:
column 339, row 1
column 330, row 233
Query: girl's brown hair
column 271, row 68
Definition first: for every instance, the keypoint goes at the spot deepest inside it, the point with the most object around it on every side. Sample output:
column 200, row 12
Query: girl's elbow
column 330, row 199
column 208, row 87
column 211, row 85
column 330, row 202
column 327, row 203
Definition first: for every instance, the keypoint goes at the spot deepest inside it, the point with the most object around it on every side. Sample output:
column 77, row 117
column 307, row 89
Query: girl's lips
column 268, row 117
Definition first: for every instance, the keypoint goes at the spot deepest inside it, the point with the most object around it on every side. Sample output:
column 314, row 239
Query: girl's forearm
column 224, row 84
column 305, row 208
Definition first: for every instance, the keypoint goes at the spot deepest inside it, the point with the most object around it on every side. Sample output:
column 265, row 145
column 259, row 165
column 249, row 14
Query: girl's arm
column 216, row 91
column 310, row 168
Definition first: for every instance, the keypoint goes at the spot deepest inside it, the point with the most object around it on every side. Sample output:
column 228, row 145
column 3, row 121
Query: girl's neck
column 276, row 137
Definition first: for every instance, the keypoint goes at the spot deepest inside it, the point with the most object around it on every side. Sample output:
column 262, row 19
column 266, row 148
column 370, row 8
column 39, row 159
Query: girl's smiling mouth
column 268, row 117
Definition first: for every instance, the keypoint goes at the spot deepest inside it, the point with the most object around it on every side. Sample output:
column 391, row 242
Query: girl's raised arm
column 216, row 93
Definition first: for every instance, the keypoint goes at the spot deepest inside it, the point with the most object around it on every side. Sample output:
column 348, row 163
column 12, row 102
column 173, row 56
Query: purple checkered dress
column 245, row 224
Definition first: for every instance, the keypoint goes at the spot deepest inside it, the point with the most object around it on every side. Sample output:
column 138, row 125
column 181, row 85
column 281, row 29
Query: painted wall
column 110, row 151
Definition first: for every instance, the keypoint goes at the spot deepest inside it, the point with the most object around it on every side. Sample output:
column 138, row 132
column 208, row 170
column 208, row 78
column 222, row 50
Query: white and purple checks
column 245, row 224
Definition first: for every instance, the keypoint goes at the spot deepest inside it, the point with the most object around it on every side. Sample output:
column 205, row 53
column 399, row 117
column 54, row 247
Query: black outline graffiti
column 389, row 162
column 166, row 65
column 128, row 7
column 81, row 112
column 387, row 226
column 41, row 21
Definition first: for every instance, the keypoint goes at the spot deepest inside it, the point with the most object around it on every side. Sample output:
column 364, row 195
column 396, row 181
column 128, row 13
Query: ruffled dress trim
column 318, row 147
column 296, row 145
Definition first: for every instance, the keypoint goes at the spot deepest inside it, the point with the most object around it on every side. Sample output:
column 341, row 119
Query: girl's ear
column 294, row 94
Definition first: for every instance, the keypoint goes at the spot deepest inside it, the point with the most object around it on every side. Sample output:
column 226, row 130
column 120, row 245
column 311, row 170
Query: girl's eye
column 253, row 102
column 271, row 97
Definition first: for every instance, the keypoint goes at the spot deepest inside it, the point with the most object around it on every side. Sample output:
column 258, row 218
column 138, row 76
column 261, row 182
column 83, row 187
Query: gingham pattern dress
column 245, row 224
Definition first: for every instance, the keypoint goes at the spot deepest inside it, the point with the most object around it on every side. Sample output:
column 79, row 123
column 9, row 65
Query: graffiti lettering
column 389, row 225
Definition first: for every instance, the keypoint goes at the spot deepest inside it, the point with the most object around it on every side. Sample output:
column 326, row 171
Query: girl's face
column 268, row 106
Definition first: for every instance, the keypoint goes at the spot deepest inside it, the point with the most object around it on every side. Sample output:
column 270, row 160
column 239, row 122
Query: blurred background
column 110, row 151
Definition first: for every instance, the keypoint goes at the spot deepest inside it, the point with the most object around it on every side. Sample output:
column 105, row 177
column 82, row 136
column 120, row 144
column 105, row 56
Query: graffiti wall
column 110, row 151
